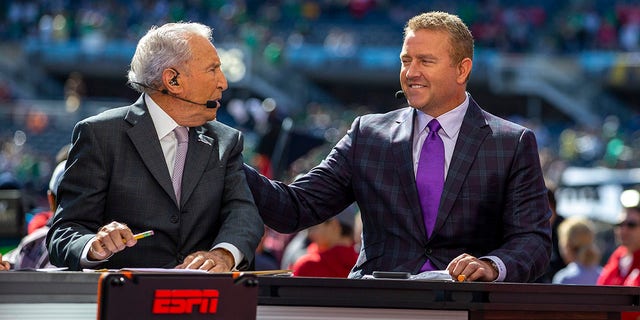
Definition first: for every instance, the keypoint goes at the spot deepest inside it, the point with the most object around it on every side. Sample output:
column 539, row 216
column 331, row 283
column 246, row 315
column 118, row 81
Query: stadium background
column 300, row 71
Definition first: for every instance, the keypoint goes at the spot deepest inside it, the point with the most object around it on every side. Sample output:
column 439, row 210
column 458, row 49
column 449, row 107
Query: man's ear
column 52, row 201
column 170, row 80
column 464, row 70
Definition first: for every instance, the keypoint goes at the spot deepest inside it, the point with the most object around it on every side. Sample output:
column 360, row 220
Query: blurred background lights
column 269, row 104
column 630, row 198
column 19, row 138
column 233, row 64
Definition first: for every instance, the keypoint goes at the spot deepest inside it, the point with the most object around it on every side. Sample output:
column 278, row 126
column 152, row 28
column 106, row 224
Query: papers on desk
column 52, row 269
column 162, row 270
column 437, row 275
column 147, row 270
column 279, row 273
column 49, row 269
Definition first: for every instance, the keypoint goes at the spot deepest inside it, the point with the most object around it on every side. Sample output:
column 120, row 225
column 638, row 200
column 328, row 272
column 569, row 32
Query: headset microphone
column 399, row 94
column 211, row 104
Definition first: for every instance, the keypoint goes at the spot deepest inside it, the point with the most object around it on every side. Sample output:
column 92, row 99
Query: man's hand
column 4, row 265
column 472, row 268
column 111, row 238
column 216, row 260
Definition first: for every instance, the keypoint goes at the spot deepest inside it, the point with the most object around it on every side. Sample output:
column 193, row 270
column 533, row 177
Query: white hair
column 161, row 48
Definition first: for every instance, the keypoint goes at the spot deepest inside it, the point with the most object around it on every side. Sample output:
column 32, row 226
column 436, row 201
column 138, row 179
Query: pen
column 141, row 235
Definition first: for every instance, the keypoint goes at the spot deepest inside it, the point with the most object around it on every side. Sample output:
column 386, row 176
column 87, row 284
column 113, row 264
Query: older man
column 160, row 164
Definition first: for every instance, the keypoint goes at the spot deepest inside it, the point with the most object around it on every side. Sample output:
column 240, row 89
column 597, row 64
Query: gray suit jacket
column 494, row 200
column 116, row 172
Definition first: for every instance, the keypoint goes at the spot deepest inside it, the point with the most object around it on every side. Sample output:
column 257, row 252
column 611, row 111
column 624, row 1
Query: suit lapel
column 402, row 148
column 143, row 136
column 473, row 131
column 201, row 148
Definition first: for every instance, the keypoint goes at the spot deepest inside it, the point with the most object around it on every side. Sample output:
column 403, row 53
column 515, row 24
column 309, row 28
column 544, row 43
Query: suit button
column 180, row 258
column 427, row 251
column 174, row 219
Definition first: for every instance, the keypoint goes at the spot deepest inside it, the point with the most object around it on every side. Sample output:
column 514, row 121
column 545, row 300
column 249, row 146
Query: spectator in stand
column 623, row 266
column 295, row 249
column 43, row 218
column 556, row 262
column 331, row 252
column 357, row 232
column 4, row 265
column 265, row 259
column 31, row 252
column 576, row 237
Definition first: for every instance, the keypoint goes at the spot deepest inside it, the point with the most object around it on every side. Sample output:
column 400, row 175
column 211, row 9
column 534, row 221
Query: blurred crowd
column 549, row 26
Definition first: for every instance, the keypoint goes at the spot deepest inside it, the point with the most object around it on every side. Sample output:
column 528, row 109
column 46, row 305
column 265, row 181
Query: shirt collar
column 450, row 122
column 163, row 123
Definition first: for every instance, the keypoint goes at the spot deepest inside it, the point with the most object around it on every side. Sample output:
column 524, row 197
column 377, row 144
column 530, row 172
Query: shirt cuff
column 84, row 257
column 237, row 255
column 502, row 269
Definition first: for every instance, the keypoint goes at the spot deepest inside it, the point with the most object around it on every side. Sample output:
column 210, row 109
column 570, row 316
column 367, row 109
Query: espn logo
column 182, row 301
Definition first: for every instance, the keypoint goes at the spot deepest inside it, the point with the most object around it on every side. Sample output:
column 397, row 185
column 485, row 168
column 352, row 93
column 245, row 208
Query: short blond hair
column 460, row 37
column 576, row 235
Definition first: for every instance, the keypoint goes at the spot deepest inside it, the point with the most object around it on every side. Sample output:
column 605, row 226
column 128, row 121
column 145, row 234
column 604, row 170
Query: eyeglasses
column 628, row 224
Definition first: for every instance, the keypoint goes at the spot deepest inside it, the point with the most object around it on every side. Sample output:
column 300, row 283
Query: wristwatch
column 494, row 266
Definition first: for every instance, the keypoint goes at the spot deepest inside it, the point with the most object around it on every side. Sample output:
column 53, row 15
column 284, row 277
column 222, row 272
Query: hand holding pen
column 141, row 235
column 112, row 238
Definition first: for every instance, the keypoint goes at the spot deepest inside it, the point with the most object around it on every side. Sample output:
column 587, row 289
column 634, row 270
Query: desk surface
column 81, row 287
column 446, row 295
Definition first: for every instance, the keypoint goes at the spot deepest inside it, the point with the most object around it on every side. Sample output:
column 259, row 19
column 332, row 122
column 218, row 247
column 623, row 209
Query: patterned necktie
column 430, row 179
column 182, row 135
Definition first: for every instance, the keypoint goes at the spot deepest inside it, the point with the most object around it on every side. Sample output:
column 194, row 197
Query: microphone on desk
column 400, row 94
column 211, row 104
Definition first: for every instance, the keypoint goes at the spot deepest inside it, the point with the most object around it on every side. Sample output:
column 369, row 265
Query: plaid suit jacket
column 116, row 172
column 494, row 200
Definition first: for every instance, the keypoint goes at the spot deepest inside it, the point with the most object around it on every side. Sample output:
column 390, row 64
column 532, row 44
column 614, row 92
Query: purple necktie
column 430, row 179
column 182, row 135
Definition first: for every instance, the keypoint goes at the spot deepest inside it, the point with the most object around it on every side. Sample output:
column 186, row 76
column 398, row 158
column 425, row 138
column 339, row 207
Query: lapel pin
column 204, row 139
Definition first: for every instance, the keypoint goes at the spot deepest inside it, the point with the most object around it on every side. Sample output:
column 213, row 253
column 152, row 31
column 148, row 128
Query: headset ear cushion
column 173, row 82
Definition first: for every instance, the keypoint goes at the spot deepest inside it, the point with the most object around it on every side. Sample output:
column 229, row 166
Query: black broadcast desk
column 73, row 295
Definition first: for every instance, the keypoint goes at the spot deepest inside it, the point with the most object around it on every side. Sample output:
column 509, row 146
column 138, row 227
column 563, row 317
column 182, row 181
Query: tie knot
column 182, row 134
column 434, row 126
